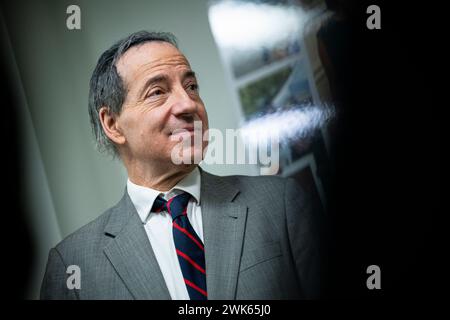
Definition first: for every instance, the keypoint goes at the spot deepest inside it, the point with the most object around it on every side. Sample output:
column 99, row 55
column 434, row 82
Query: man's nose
column 183, row 103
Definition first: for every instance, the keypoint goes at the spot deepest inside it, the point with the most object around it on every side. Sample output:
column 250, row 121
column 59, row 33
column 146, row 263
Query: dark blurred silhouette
column 17, row 252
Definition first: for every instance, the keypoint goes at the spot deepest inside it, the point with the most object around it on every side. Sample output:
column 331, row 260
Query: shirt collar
column 143, row 197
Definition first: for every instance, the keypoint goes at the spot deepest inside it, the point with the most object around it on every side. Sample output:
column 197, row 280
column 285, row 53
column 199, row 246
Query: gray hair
column 107, row 89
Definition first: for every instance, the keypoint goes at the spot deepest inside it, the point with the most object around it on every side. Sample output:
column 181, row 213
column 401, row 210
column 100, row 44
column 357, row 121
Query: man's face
column 162, row 98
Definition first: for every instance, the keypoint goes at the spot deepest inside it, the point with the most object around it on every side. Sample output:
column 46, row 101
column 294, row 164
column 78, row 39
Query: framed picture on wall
column 267, row 68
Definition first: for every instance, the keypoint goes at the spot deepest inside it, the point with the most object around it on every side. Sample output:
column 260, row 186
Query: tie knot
column 175, row 206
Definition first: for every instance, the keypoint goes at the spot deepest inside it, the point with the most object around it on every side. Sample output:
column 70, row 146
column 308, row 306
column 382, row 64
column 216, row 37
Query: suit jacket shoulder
column 91, row 233
column 81, row 247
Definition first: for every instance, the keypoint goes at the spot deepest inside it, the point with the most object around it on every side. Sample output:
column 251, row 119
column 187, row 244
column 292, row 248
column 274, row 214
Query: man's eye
column 193, row 87
column 156, row 92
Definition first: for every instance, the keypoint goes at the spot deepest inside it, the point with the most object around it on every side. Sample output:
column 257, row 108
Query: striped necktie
column 188, row 245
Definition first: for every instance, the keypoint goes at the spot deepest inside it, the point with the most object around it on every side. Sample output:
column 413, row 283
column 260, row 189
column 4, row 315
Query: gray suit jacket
column 260, row 243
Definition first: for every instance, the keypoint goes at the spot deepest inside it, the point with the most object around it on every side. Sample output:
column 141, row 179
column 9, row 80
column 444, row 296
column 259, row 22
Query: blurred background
column 341, row 97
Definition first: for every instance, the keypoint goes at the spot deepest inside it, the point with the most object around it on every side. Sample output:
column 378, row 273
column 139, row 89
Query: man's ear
column 110, row 126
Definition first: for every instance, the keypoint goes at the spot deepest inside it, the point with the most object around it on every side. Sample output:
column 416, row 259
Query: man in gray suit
column 236, row 238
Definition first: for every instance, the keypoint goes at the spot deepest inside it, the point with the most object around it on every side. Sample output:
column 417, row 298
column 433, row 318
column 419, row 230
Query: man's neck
column 163, row 179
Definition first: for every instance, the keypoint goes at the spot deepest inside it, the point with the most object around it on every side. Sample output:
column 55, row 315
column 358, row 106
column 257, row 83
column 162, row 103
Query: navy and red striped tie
column 188, row 245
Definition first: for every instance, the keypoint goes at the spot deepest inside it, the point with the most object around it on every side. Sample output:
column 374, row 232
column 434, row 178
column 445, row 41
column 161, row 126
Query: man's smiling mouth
column 189, row 129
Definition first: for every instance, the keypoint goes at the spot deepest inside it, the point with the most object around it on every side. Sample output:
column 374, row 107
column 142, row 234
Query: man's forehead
column 150, row 56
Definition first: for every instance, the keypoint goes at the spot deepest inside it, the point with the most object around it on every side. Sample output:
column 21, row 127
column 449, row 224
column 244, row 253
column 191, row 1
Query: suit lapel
column 131, row 254
column 223, row 230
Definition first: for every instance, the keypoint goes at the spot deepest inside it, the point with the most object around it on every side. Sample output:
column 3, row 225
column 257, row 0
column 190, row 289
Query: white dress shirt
column 158, row 227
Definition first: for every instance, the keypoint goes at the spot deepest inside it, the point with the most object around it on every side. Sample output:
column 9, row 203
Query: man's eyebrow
column 152, row 80
column 164, row 78
column 189, row 74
